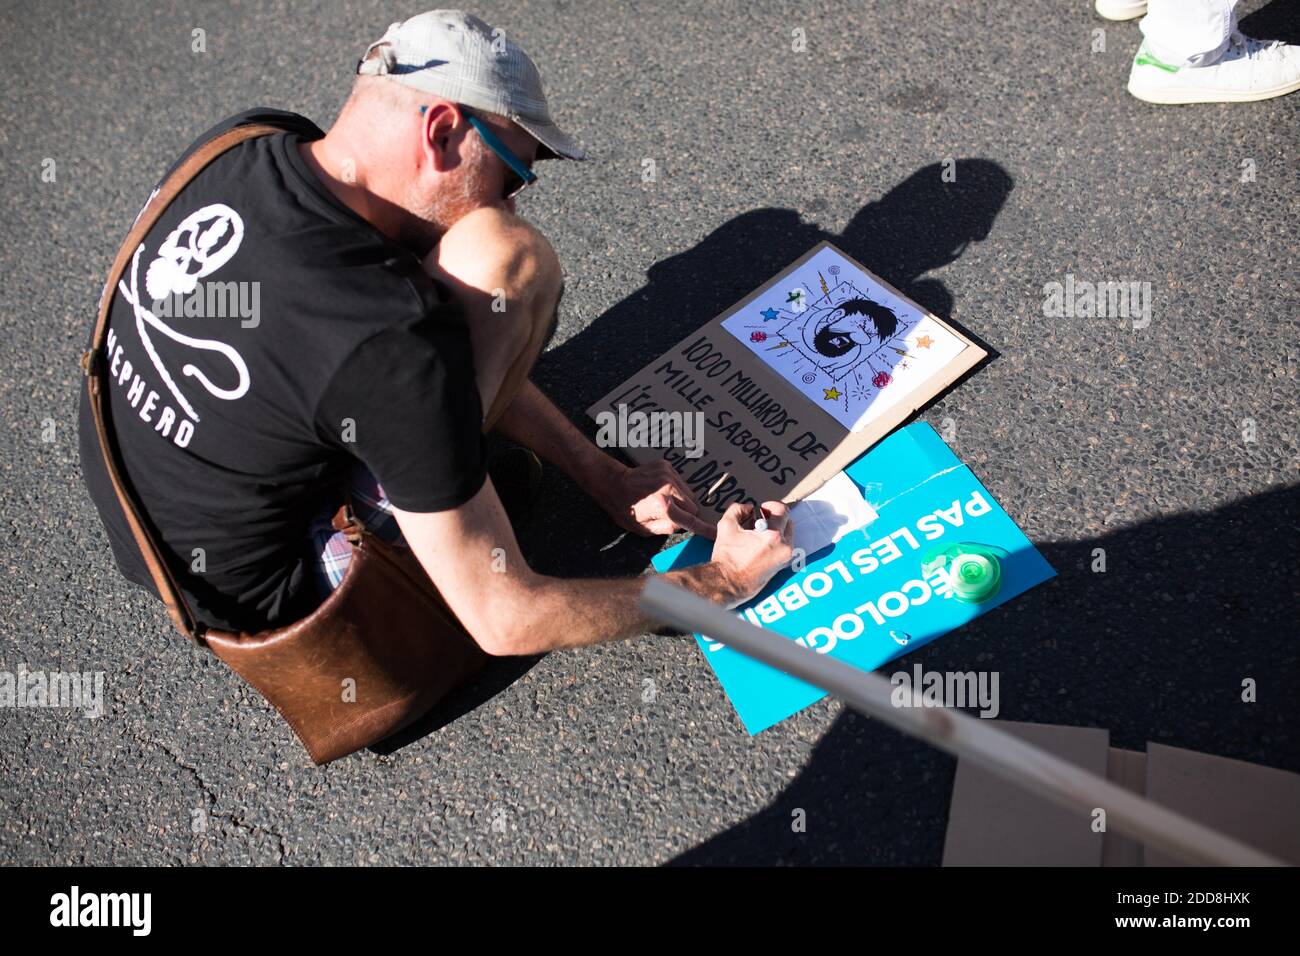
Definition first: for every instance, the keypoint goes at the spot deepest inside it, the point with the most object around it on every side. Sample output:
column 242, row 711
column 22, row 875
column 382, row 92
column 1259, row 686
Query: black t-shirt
column 278, row 339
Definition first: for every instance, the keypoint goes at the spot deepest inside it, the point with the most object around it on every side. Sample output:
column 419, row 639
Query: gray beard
column 433, row 215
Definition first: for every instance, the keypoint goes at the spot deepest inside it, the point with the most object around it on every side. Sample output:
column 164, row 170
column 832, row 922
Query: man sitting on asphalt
column 401, row 303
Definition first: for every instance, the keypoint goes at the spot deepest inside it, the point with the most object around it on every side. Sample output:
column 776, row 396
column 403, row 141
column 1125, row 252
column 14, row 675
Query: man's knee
column 500, row 255
column 508, row 278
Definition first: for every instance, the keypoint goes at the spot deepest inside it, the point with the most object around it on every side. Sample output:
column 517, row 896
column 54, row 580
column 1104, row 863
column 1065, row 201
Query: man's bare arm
column 533, row 420
column 648, row 499
column 471, row 555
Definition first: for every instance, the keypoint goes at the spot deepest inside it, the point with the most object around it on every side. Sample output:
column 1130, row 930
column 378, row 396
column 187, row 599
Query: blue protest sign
column 867, row 599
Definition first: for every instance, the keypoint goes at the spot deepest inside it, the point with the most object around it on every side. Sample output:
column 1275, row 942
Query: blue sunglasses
column 520, row 176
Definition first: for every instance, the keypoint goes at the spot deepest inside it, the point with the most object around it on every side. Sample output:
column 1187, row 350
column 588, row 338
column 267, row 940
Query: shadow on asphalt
column 920, row 225
column 1155, row 648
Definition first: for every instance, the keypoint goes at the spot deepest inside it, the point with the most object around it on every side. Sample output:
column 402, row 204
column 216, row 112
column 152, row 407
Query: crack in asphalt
column 210, row 793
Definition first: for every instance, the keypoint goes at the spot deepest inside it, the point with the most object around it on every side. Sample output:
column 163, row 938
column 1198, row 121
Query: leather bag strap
column 93, row 366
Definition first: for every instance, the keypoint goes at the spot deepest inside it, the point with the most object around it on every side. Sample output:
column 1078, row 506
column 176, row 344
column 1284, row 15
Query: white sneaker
column 1121, row 9
column 1248, row 70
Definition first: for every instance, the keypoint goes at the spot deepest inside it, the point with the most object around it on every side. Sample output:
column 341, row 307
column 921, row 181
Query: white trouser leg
column 1189, row 32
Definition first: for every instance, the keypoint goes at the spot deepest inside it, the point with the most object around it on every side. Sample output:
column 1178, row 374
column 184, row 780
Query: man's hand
column 652, row 499
column 747, row 558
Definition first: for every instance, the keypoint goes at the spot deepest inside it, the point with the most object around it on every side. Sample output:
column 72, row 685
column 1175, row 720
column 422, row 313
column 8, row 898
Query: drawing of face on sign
column 841, row 337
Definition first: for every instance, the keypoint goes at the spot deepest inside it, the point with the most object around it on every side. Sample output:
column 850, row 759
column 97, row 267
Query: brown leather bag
column 377, row 654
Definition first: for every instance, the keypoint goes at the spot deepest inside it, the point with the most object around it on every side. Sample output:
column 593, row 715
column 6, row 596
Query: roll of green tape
column 974, row 571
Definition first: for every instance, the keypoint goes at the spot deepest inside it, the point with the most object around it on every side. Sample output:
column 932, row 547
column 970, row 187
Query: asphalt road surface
column 1172, row 447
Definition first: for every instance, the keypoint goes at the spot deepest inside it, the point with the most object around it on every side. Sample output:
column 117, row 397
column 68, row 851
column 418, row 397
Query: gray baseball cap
column 455, row 55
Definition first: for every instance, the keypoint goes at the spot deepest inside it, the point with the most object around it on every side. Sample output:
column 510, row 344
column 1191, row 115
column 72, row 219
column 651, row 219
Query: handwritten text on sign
column 808, row 587
column 745, row 425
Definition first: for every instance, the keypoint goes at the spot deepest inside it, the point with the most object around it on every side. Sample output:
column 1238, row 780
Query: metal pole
column 957, row 733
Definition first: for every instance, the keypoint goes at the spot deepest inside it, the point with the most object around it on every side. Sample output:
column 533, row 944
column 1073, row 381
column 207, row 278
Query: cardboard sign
column 995, row 822
column 865, row 598
column 779, row 393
